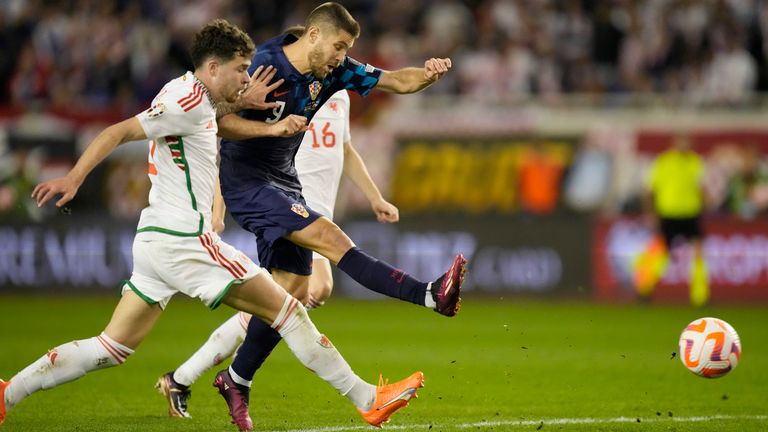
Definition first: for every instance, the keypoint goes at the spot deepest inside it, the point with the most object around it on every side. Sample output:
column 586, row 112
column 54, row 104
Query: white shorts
column 201, row 267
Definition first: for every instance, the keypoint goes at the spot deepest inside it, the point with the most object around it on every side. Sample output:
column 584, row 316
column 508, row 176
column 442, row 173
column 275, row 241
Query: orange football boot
column 3, row 385
column 392, row 397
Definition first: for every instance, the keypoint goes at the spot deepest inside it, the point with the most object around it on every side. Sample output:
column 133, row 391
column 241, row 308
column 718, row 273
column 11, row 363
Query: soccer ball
column 710, row 347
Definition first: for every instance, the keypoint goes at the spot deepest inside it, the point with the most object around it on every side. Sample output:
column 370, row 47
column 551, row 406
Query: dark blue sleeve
column 353, row 75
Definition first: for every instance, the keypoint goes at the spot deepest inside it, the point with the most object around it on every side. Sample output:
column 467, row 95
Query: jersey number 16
column 328, row 138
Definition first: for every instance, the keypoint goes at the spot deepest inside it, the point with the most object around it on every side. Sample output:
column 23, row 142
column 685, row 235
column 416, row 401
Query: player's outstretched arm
column 355, row 169
column 412, row 79
column 235, row 127
column 98, row 149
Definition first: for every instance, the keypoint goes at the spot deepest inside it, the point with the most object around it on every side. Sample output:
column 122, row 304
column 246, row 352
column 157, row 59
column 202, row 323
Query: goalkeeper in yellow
column 674, row 201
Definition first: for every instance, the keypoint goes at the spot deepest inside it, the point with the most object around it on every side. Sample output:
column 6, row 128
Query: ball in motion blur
column 710, row 347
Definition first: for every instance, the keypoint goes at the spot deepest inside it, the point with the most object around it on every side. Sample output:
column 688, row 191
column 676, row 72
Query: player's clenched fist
column 435, row 68
column 290, row 125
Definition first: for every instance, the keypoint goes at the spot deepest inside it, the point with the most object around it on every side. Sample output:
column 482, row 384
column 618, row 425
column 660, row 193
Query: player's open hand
column 65, row 186
column 290, row 126
column 385, row 211
column 254, row 96
column 435, row 68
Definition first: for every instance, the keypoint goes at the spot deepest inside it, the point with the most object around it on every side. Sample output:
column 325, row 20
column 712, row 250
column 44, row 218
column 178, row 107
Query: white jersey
column 181, row 126
column 320, row 158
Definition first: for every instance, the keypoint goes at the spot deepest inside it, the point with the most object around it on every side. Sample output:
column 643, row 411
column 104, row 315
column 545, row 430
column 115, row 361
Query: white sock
column 428, row 301
column 65, row 363
column 220, row 345
column 317, row 353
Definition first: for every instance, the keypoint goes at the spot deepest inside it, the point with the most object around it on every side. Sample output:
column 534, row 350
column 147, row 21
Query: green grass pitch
column 501, row 364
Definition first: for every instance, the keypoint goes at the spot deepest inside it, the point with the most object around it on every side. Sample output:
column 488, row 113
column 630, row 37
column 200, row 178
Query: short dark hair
column 335, row 15
column 295, row 30
column 222, row 40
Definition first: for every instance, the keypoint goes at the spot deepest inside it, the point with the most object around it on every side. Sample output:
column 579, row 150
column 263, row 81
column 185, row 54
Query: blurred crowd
column 115, row 54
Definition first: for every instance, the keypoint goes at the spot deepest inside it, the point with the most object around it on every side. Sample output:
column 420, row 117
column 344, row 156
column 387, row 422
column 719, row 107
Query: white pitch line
column 550, row 421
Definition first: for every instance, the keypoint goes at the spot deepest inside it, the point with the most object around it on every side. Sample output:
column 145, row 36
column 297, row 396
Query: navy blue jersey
column 268, row 160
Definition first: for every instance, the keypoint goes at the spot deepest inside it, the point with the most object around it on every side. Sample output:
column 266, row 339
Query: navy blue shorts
column 271, row 213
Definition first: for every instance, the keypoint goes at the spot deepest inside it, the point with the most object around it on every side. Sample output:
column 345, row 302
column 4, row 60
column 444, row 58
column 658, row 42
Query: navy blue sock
column 381, row 277
column 259, row 342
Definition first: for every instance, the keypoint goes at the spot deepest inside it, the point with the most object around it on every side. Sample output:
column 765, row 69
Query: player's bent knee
column 332, row 237
column 320, row 292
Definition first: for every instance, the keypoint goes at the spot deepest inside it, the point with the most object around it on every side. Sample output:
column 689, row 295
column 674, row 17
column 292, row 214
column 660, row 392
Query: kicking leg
column 326, row 238
column 131, row 321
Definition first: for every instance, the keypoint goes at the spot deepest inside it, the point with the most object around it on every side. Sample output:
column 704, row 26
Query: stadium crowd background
column 530, row 154
column 114, row 54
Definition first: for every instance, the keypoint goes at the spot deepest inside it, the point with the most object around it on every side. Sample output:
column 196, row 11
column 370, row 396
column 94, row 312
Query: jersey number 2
column 328, row 137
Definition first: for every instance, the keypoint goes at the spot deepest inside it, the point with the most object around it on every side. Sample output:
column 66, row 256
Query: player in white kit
column 175, row 249
column 326, row 152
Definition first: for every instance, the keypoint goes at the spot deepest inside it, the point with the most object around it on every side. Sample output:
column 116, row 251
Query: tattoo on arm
column 224, row 108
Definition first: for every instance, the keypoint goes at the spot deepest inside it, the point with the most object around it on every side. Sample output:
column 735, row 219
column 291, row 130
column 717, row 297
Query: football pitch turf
column 501, row 364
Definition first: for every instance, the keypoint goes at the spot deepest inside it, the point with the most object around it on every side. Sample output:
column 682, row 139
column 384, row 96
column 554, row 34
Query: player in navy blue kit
column 262, row 191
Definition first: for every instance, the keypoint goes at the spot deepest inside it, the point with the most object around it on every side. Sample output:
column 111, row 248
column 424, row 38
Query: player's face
column 233, row 77
column 329, row 50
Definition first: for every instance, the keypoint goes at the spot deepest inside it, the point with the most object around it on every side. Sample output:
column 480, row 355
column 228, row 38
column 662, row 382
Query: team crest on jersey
column 300, row 210
column 156, row 110
column 324, row 341
column 314, row 89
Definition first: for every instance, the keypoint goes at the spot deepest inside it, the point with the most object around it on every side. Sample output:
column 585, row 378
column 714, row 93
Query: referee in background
column 674, row 201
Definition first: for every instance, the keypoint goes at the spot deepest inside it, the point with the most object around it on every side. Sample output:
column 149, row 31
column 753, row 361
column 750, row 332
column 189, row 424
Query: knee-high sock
column 259, row 342
column 317, row 353
column 381, row 277
column 220, row 345
column 699, row 291
column 65, row 363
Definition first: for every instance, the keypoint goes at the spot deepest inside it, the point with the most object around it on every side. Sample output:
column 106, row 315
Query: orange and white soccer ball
column 710, row 347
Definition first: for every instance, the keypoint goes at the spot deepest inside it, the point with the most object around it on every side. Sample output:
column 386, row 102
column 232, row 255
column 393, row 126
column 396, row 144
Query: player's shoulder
column 268, row 49
column 184, row 95
column 341, row 96
column 336, row 107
